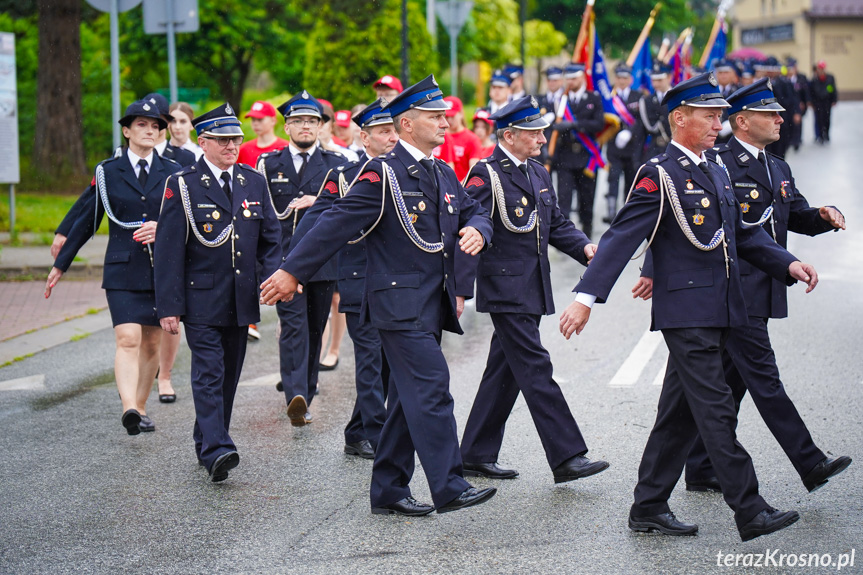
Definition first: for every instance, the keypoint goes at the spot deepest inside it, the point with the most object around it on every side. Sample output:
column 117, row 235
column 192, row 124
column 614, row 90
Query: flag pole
column 581, row 40
column 710, row 41
column 676, row 45
column 645, row 32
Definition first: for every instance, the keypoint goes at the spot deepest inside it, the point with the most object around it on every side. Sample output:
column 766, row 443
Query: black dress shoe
column 362, row 448
column 407, row 506
column 831, row 466
column 223, row 464
column 130, row 420
column 328, row 367
column 490, row 470
column 146, row 424
column 664, row 523
column 578, row 467
column 167, row 397
column 710, row 484
column 768, row 521
column 297, row 410
column 468, row 497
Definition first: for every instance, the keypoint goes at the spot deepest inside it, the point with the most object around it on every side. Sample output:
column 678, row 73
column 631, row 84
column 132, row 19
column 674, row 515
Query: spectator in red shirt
column 263, row 115
column 484, row 128
column 461, row 148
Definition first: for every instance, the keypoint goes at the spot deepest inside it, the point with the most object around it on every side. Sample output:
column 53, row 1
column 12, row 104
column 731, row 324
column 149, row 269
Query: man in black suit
column 576, row 153
column 653, row 115
column 685, row 207
column 765, row 188
column 295, row 176
column 413, row 211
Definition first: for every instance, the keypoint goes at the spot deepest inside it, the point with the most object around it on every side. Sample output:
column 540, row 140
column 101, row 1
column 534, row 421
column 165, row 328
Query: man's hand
column 146, row 234
column 171, row 324
column 459, row 306
column 574, row 318
column 281, row 286
column 471, row 241
column 57, row 245
column 833, row 216
column 53, row 278
column 805, row 273
column 590, row 251
column 302, row 203
column 643, row 288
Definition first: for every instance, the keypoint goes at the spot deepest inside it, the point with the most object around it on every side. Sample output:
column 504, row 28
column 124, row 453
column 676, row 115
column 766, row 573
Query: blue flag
column 720, row 45
column 642, row 67
column 600, row 76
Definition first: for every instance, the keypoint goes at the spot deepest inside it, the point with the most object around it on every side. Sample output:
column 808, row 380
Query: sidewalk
column 77, row 304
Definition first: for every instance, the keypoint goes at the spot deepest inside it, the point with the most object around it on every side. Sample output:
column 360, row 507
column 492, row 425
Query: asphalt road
column 77, row 495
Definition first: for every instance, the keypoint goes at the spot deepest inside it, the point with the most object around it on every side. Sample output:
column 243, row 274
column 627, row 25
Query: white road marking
column 630, row 371
column 29, row 383
column 264, row 380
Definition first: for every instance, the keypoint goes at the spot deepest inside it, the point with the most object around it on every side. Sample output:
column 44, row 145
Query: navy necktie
column 305, row 157
column 142, row 173
column 226, row 178
column 523, row 168
column 762, row 157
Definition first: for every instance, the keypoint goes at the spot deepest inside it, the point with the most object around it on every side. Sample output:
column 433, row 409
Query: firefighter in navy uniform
column 765, row 188
column 624, row 152
column 413, row 211
column 363, row 431
column 571, row 156
column 216, row 226
column 685, row 207
column 513, row 280
column 294, row 176
column 653, row 115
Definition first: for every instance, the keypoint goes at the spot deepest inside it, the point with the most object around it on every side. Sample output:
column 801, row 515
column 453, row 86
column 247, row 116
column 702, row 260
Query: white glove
column 622, row 138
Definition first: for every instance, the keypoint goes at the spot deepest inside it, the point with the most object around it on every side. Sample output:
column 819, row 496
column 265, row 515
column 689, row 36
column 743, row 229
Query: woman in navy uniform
column 685, row 206
column 294, row 176
column 413, row 210
column 768, row 196
column 514, row 286
column 127, row 187
column 217, row 225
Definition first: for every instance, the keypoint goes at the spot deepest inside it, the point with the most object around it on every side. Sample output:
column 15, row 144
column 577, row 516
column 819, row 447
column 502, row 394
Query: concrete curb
column 53, row 335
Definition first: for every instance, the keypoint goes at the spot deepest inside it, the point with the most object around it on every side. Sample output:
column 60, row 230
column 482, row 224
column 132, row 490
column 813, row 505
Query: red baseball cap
column 389, row 82
column 483, row 116
column 455, row 106
column 261, row 109
column 343, row 118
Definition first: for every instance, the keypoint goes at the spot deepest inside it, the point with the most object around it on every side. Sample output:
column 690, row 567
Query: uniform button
column 191, row 283
column 446, row 276
column 143, row 215
column 235, row 218
column 239, row 254
column 446, row 255
column 238, row 272
column 237, row 236
column 254, row 213
column 355, row 273
column 690, row 282
column 301, row 193
column 394, row 283
column 143, row 199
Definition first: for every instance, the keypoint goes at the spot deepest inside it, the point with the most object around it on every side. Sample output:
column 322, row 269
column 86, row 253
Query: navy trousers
column 303, row 320
column 217, row 360
column 750, row 363
column 419, row 419
column 372, row 379
column 517, row 362
column 585, row 190
column 695, row 397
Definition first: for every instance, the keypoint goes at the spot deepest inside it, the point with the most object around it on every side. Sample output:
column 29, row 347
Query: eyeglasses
column 311, row 122
column 223, row 141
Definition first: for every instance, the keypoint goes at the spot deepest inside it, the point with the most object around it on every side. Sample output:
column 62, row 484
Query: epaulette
column 266, row 155
column 659, row 159
column 186, row 171
column 337, row 154
column 536, row 161
column 484, row 160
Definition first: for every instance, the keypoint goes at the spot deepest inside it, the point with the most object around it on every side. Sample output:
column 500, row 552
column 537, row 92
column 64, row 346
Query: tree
column 58, row 141
column 354, row 43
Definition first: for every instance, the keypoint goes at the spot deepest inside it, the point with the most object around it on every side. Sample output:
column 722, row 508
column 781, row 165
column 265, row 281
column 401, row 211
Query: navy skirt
column 128, row 306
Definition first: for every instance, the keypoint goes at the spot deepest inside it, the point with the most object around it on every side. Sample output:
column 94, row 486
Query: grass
column 40, row 214
column 80, row 336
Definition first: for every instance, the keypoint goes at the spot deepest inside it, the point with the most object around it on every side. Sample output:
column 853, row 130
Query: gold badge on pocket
column 753, row 194
column 705, row 203
column 216, row 214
